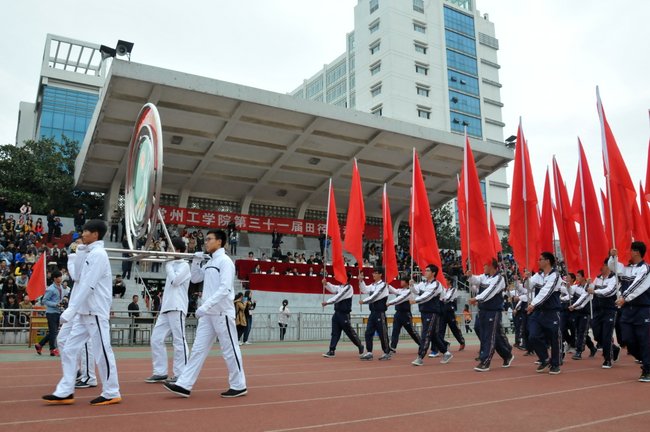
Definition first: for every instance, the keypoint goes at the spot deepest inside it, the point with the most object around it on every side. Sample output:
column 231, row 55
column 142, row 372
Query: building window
column 461, row 121
column 314, row 87
column 424, row 112
column 464, row 103
column 374, row 26
column 377, row 110
column 375, row 90
column 335, row 73
column 462, row 82
column 422, row 90
column 459, row 22
column 418, row 5
column 419, row 27
column 420, row 47
column 421, row 68
column 462, row 62
column 374, row 5
column 375, row 68
column 374, row 47
column 460, row 43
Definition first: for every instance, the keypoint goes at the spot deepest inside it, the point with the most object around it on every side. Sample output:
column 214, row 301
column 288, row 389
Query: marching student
column 89, row 312
column 520, row 315
column 581, row 310
column 342, row 302
column 378, row 291
column 604, row 290
column 490, row 304
column 403, row 317
column 171, row 319
column 216, row 319
column 544, row 314
column 567, row 317
column 448, row 316
column 428, row 293
column 635, row 304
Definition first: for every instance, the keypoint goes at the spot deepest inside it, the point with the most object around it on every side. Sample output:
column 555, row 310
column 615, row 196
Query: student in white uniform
column 171, row 319
column 89, row 311
column 216, row 319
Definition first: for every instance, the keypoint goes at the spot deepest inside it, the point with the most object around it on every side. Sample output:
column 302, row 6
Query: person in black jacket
column 402, row 317
column 378, row 291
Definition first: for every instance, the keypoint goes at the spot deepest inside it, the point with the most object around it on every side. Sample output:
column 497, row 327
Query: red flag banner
column 462, row 225
column 334, row 232
column 424, row 241
column 524, row 219
column 37, row 283
column 546, row 227
column 585, row 206
column 645, row 212
column 389, row 258
column 566, row 223
column 621, row 193
column 607, row 218
column 356, row 220
column 494, row 235
column 481, row 251
column 647, row 177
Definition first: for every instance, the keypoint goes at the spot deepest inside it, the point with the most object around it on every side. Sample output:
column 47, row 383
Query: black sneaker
column 101, row 400
column 176, row 389
column 542, row 367
column 554, row 370
column 482, row 367
column 55, row 400
column 593, row 351
column 232, row 393
column 329, row 354
column 607, row 364
column 156, row 379
column 507, row 362
column 360, row 350
column 617, row 353
column 645, row 377
column 84, row 384
column 577, row 356
column 393, row 350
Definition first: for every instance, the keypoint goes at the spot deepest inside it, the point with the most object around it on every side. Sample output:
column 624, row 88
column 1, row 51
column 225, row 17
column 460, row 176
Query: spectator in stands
column 11, row 317
column 134, row 312
column 126, row 264
column 272, row 271
column 58, row 226
column 251, row 256
column 311, row 272
column 250, row 307
column 26, row 209
column 200, row 240
column 276, row 240
column 51, row 222
column 62, row 261
column 322, row 241
column 119, row 289
column 257, row 269
column 157, row 247
column 79, row 219
column 8, row 289
column 66, row 288
column 26, row 304
column 233, row 239
column 264, row 257
column 21, row 282
column 115, row 224
column 240, row 316
column 283, row 318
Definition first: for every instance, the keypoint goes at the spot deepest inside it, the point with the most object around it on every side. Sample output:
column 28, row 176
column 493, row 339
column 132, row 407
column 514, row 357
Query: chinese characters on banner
column 215, row 219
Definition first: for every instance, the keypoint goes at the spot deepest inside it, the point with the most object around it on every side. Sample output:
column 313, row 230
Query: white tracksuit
column 216, row 319
column 89, row 311
column 171, row 319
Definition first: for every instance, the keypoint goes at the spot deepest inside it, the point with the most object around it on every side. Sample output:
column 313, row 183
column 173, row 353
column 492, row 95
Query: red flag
column 37, row 282
column 356, row 221
column 585, row 206
column 645, row 212
column 462, row 225
column 524, row 219
column 621, row 193
column 494, row 235
column 546, row 227
column 639, row 230
column 569, row 240
column 390, row 260
column 647, row 176
column 470, row 197
column 334, row 232
column 424, row 242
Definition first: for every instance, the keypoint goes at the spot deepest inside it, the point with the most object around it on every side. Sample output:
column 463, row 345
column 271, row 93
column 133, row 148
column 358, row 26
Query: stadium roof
column 233, row 142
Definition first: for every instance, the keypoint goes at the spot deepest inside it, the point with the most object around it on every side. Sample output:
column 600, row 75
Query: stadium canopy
column 237, row 143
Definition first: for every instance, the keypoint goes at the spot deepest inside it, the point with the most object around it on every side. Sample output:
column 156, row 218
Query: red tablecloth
column 296, row 284
column 245, row 268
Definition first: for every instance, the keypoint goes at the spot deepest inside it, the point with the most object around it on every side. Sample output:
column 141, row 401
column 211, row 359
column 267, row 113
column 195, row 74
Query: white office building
column 428, row 62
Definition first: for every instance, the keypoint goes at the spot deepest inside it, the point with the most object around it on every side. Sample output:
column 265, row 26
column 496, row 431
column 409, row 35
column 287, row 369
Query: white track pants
column 86, row 362
column 83, row 328
column 223, row 328
column 169, row 322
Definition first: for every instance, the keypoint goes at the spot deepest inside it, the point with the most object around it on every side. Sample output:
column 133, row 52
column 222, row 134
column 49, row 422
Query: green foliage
column 446, row 230
column 42, row 172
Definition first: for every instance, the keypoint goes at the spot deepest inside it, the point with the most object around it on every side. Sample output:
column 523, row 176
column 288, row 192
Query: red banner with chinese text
column 264, row 224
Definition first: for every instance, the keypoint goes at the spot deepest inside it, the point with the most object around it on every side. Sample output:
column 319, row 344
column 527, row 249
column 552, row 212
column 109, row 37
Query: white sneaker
column 247, row 343
column 446, row 357
column 434, row 355
column 417, row 362
column 241, row 343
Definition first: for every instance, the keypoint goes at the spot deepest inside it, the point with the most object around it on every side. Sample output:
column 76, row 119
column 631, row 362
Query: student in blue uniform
column 342, row 302
column 376, row 300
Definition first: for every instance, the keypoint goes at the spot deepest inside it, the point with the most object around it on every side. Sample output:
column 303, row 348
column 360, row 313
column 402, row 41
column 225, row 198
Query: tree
column 446, row 230
column 42, row 172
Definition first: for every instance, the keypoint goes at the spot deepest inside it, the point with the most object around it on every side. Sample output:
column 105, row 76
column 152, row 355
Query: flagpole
column 413, row 215
column 327, row 230
column 469, row 243
column 585, row 228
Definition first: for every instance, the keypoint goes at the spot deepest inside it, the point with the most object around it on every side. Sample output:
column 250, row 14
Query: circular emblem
column 143, row 177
